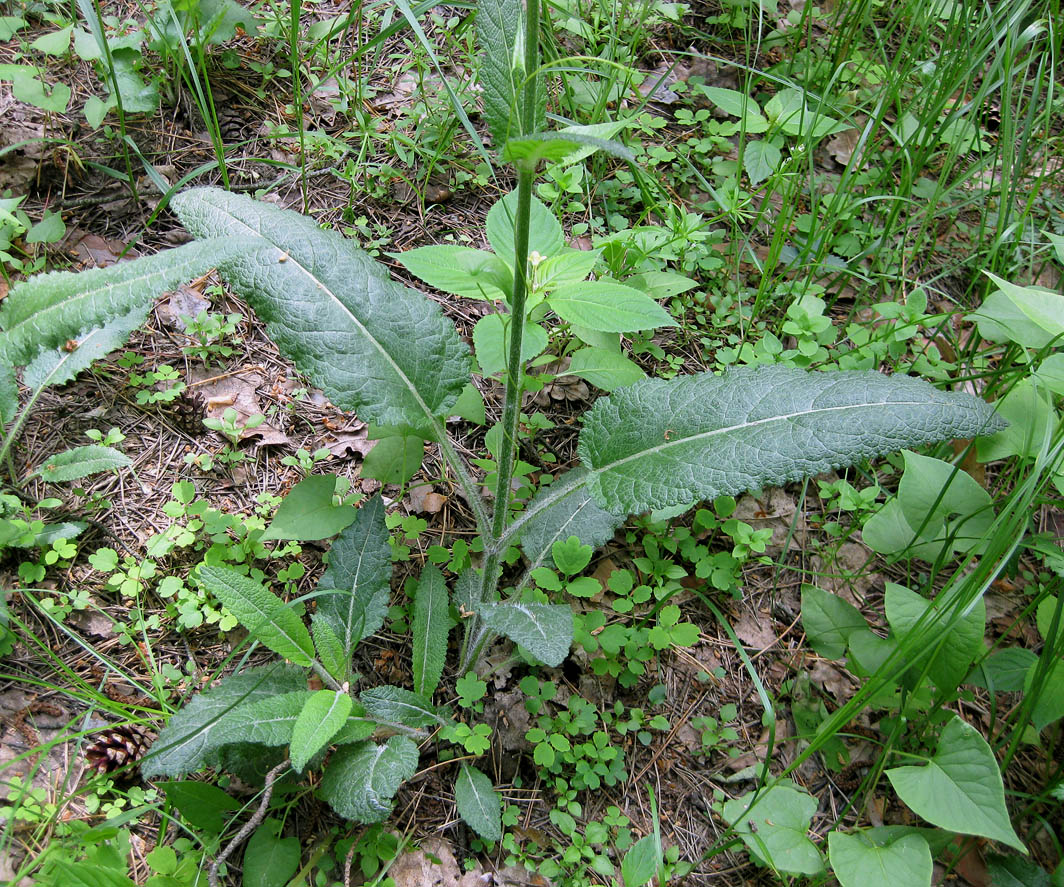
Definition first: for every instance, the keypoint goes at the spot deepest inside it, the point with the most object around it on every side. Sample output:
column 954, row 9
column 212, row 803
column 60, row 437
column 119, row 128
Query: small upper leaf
column 308, row 512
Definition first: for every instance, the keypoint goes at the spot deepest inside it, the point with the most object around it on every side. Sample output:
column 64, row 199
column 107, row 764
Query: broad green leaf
column 87, row 874
column 357, row 728
column 1049, row 706
column 608, row 306
column 10, row 25
column 955, row 644
column 460, row 270
column 491, row 339
column 48, row 310
column 322, row 716
column 399, row 706
column 604, row 368
column 197, row 728
column 353, row 592
column 789, row 111
column 774, row 824
column 499, row 31
column 960, row 788
column 1003, row 671
column 328, row 647
column 545, row 630
column 572, row 513
column 361, row 780
column 659, row 443
column 139, row 96
column 429, row 627
column 397, row 455
column 470, row 405
column 28, row 87
column 269, row 859
column 267, row 722
column 858, row 862
column 641, row 862
column 1044, row 616
column 1042, row 306
column 828, row 621
column 201, row 804
column 478, row 803
column 1000, row 320
column 372, row 345
column 760, row 160
column 661, row 284
column 544, row 233
column 50, row 229
column 81, row 462
column 567, row 266
column 308, row 512
column 737, row 104
column 1033, row 422
column 57, row 366
column 265, row 616
column 1050, row 373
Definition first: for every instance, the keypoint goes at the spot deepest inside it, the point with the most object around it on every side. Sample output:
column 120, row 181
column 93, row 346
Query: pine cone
column 187, row 411
column 117, row 747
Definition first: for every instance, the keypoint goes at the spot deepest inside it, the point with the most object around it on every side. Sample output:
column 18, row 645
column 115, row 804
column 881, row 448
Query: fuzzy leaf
column 328, row 647
column 353, row 592
column 498, row 36
column 478, row 803
column 261, row 612
column 661, row 443
column 572, row 514
column 50, row 309
column 371, row 344
column 429, row 629
column 322, row 716
column 57, row 366
column 198, row 728
column 545, row 630
column 399, row 706
column 362, row 779
column 81, row 462
column 960, row 788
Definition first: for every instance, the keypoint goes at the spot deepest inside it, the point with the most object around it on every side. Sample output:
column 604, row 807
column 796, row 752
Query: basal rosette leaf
column 430, row 625
column 49, row 310
column 478, row 803
column 371, row 344
column 265, row 616
column 353, row 593
column 397, row 705
column 361, row 780
column 545, row 630
column 200, row 727
column 321, row 718
column 661, row 443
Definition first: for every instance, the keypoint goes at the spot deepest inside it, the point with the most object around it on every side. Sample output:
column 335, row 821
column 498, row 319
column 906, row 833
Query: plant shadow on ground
column 116, row 633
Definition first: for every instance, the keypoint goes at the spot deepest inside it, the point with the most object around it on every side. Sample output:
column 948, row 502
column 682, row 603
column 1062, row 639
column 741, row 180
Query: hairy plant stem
column 475, row 635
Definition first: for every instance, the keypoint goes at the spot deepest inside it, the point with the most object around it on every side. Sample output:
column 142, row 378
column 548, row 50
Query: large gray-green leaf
column 56, row 366
column 501, row 65
column 429, row 628
column 575, row 514
column 184, row 743
column 362, row 779
column 398, row 706
column 371, row 344
column 545, row 630
column 48, row 310
column 661, row 443
column 960, row 789
column 360, row 571
column 265, row 616
column 81, row 462
column 478, row 803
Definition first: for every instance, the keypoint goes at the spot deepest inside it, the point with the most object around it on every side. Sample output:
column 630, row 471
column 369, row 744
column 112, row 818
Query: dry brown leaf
column 183, row 302
column 237, row 390
column 756, row 630
column 425, row 500
column 344, row 444
column 842, row 145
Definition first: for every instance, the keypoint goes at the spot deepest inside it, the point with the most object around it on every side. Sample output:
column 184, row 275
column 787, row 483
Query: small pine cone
column 116, row 747
column 187, row 411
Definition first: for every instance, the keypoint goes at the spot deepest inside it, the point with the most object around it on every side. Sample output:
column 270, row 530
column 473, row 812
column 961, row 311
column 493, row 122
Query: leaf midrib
column 361, row 326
